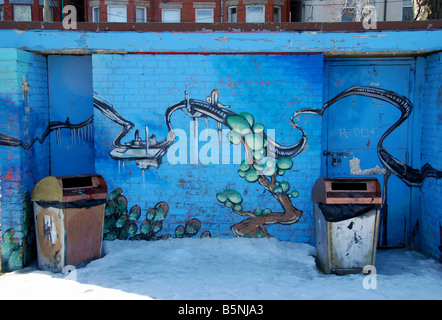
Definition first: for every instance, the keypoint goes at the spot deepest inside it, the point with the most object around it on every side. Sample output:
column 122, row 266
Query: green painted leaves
column 254, row 141
column 243, row 126
column 284, row 163
column 258, row 166
column 238, row 124
column 189, row 230
column 234, row 137
column 231, row 199
column 244, row 129
column 119, row 223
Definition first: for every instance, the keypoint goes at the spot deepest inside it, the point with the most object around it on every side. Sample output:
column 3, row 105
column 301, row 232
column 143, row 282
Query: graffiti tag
column 356, row 132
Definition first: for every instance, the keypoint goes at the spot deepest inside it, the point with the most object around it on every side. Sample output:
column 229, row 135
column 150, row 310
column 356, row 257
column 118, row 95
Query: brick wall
column 431, row 216
column 187, row 9
column 270, row 87
column 36, row 10
column 20, row 168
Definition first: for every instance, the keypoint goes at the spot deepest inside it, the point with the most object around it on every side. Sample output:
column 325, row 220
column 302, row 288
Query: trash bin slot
column 340, row 212
column 352, row 195
column 349, row 186
column 84, row 203
column 77, row 182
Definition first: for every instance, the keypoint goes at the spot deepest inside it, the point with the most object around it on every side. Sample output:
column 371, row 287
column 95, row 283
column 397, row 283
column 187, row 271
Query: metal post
column 46, row 11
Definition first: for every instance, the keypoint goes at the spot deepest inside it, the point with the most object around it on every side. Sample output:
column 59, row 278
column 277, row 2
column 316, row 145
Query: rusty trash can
column 346, row 214
column 69, row 217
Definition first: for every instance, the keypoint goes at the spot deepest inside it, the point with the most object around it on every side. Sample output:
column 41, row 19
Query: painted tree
column 258, row 168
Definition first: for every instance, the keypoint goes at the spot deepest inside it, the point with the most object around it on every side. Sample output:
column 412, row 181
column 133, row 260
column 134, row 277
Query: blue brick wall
column 21, row 169
column 431, row 216
column 270, row 87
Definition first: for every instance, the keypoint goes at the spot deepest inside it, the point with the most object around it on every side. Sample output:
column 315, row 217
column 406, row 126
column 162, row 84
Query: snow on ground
column 237, row 268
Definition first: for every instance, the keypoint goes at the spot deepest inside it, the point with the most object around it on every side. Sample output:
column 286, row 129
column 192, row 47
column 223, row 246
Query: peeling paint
column 381, row 42
column 222, row 39
column 355, row 168
column 369, row 36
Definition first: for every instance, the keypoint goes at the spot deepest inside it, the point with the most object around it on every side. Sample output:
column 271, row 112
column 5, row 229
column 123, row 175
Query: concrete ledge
column 48, row 40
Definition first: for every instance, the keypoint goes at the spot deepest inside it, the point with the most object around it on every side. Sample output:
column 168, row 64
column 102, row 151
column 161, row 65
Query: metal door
column 354, row 125
column 70, row 100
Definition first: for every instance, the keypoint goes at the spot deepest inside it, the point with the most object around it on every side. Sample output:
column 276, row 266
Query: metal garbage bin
column 346, row 214
column 69, row 217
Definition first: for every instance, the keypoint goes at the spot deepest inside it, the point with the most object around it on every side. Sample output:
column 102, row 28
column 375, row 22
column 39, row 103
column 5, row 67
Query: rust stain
column 8, row 175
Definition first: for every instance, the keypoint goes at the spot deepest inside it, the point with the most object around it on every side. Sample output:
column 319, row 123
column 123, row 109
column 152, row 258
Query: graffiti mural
column 16, row 255
column 265, row 161
column 265, row 158
column 409, row 175
column 123, row 224
column 391, row 165
column 78, row 131
column 149, row 152
column 261, row 168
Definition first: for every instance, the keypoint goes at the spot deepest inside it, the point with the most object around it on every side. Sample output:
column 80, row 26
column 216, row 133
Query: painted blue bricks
column 270, row 87
column 431, row 214
column 21, row 169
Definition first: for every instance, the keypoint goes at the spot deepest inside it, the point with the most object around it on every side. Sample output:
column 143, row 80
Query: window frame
column 279, row 13
column 164, row 10
column 97, row 9
column 407, row 6
column 256, row 6
column 14, row 6
column 230, row 14
column 116, row 6
column 144, row 14
column 212, row 18
column 348, row 9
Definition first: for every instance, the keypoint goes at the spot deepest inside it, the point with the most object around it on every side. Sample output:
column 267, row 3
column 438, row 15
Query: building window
column 141, row 14
column 407, row 10
column 276, row 14
column 95, row 14
column 348, row 14
column 204, row 15
column 171, row 15
column 2, row 13
column 255, row 14
column 116, row 14
column 22, row 12
column 232, row 14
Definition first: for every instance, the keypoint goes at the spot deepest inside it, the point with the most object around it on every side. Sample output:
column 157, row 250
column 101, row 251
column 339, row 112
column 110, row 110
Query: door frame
column 416, row 79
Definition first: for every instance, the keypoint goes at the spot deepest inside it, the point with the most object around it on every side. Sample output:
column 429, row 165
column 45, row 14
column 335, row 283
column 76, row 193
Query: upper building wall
column 351, row 10
column 200, row 11
column 28, row 10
